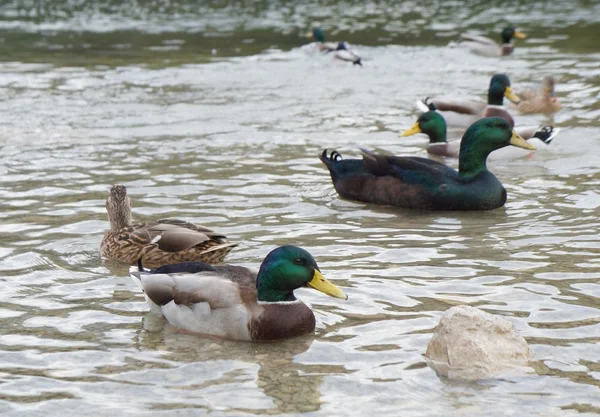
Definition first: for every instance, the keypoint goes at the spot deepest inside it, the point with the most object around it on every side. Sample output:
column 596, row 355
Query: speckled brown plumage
column 161, row 242
column 540, row 100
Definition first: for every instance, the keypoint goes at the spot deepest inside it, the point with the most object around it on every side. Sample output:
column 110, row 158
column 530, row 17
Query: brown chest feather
column 280, row 321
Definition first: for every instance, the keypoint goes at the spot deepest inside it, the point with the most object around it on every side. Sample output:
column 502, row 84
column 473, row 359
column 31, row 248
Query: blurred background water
column 216, row 113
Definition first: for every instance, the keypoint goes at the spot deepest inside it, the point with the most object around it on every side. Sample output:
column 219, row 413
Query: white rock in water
column 471, row 344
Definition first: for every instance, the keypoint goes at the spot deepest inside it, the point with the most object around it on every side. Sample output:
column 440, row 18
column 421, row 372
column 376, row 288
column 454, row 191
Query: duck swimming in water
column 433, row 125
column 161, row 242
column 485, row 46
column 540, row 100
column 235, row 302
column 463, row 113
column 340, row 49
column 421, row 183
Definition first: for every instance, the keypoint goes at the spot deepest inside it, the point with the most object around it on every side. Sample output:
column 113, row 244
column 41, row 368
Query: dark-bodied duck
column 433, row 125
column 340, row 49
column 540, row 100
column 421, row 183
column 463, row 113
column 234, row 302
column 488, row 47
column 161, row 242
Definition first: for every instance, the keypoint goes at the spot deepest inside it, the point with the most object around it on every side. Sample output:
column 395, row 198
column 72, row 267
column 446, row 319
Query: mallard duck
column 161, row 242
column 340, row 49
column 421, row 183
column 433, row 125
column 234, row 302
column 541, row 100
column 486, row 46
column 465, row 112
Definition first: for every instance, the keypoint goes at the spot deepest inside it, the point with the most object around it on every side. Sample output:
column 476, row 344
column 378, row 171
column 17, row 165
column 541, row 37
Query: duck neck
column 266, row 292
column 495, row 99
column 120, row 218
column 437, row 134
column 471, row 160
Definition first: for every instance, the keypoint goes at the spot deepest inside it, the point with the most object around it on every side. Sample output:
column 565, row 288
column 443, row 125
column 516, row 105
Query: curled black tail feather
column 429, row 104
column 358, row 62
column 334, row 156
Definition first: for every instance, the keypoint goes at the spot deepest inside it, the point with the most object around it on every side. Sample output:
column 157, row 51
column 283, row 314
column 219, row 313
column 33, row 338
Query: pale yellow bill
column 519, row 142
column 318, row 282
column 508, row 93
column 310, row 35
column 519, row 35
column 413, row 130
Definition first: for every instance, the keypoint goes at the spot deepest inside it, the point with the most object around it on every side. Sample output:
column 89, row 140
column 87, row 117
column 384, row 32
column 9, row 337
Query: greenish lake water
column 216, row 113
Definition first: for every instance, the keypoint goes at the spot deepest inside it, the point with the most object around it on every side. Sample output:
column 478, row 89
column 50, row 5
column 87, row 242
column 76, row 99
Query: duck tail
column 358, row 62
column 546, row 134
column 333, row 157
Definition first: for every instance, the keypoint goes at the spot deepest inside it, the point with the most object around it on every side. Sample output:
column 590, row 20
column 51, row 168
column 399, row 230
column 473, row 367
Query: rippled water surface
column 216, row 114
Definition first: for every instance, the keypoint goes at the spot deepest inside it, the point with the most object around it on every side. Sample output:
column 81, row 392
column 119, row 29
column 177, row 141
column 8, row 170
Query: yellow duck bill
column 519, row 142
column 319, row 283
column 508, row 93
column 412, row 131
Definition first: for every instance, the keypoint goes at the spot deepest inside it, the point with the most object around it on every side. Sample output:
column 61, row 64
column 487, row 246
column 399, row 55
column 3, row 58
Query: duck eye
column 299, row 261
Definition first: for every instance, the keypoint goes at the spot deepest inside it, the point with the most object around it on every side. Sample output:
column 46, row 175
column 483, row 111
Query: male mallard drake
column 162, row 242
column 234, row 302
column 465, row 112
column 486, row 46
column 340, row 49
column 433, row 125
column 413, row 182
column 541, row 100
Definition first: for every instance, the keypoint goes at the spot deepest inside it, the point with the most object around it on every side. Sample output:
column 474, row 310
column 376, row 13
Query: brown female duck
column 540, row 100
column 164, row 241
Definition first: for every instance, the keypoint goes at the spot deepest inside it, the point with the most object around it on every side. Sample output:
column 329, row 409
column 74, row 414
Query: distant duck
column 340, row 49
column 463, row 113
column 161, row 242
column 488, row 47
column 235, row 302
column 421, row 183
column 433, row 125
column 540, row 100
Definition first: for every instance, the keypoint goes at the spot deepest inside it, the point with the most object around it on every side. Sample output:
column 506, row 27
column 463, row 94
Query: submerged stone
column 471, row 344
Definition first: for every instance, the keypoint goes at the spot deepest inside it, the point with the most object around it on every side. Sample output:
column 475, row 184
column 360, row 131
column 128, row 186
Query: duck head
column 483, row 137
column 316, row 34
column 432, row 124
column 509, row 32
column 500, row 88
column 287, row 268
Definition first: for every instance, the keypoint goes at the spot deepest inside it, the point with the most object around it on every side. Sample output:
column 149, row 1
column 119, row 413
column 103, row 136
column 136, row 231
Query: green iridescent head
column 432, row 124
column 483, row 137
column 316, row 34
column 288, row 268
column 500, row 88
column 509, row 32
